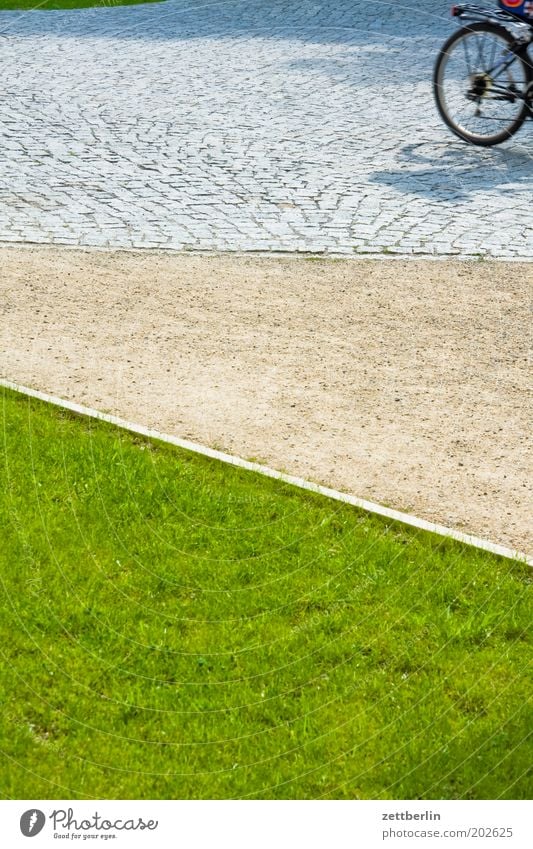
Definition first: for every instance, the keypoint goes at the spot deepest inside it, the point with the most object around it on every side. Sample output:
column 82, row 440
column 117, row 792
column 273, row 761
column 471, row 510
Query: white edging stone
column 361, row 503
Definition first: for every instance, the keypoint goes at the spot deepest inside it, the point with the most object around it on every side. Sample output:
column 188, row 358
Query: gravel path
column 405, row 382
column 247, row 125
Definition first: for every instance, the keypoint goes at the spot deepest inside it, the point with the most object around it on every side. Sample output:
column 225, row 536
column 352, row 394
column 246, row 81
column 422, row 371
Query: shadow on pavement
column 457, row 170
column 345, row 21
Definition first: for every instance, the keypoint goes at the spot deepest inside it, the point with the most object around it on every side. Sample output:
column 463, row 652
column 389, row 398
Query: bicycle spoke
column 468, row 64
column 479, row 51
column 494, row 48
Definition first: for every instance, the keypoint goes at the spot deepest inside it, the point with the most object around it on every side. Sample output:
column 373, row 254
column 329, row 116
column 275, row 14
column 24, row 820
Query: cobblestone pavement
column 247, row 125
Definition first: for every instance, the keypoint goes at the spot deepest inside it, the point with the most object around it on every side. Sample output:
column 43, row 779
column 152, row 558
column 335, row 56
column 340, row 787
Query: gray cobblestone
column 247, row 125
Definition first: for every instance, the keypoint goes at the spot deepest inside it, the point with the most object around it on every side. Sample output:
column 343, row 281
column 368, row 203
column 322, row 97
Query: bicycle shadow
column 455, row 171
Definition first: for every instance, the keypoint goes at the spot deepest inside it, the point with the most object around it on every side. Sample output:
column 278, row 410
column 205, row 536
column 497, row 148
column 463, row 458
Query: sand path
column 404, row 382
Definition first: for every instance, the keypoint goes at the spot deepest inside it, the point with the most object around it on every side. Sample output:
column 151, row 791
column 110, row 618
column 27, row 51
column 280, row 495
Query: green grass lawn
column 173, row 627
column 29, row 5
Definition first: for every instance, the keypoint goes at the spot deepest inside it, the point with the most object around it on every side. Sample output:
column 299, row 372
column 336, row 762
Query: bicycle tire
column 462, row 133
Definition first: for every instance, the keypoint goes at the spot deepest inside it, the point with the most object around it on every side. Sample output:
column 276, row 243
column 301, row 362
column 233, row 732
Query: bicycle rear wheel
column 480, row 85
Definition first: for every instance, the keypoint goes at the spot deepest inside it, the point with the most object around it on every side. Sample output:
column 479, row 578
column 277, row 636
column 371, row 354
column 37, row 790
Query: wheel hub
column 481, row 86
